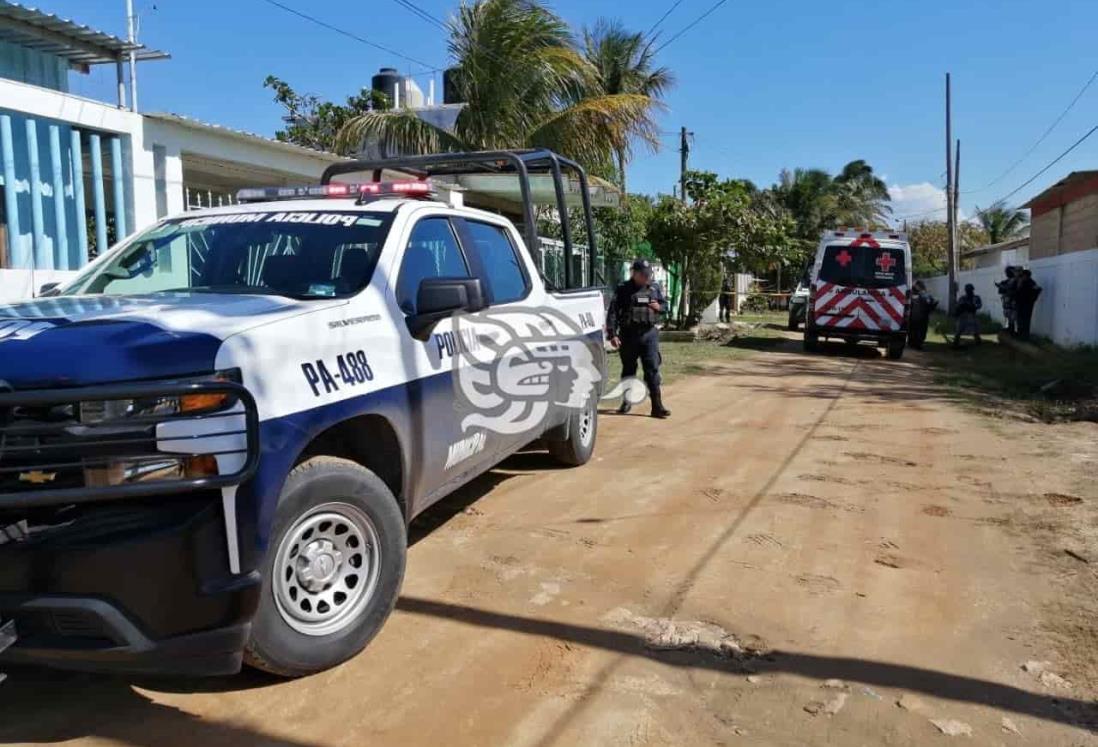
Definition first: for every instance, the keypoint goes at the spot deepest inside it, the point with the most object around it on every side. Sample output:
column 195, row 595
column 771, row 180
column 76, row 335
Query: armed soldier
column 631, row 327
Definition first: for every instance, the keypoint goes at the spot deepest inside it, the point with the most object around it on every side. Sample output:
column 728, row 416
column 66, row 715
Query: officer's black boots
column 658, row 410
column 625, row 407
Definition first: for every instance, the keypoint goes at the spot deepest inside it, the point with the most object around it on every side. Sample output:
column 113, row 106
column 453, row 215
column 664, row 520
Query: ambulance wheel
column 811, row 341
column 793, row 322
column 583, row 427
column 896, row 348
column 333, row 570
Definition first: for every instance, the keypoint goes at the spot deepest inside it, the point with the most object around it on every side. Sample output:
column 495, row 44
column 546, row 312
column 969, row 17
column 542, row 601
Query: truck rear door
column 861, row 285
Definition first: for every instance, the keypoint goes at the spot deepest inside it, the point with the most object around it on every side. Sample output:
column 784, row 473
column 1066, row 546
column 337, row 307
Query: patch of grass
column 1055, row 384
column 684, row 358
column 943, row 324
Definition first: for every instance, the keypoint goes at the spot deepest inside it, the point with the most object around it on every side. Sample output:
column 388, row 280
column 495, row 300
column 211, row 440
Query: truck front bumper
column 132, row 586
column 114, row 551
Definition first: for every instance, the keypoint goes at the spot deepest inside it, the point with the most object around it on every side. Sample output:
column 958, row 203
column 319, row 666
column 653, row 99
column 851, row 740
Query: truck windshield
column 298, row 254
column 863, row 266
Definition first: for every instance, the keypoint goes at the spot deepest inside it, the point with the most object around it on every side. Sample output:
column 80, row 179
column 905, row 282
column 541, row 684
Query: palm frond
column 594, row 126
column 397, row 131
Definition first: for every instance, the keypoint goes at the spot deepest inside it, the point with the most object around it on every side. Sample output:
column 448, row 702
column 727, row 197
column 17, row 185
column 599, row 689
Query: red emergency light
column 406, row 188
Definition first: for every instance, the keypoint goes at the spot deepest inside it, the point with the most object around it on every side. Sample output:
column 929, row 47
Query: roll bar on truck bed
column 519, row 162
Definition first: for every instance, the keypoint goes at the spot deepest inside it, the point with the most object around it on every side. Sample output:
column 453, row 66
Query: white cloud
column 914, row 202
column 920, row 201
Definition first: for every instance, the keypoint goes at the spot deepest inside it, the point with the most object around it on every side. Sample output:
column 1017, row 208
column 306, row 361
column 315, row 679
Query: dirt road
column 799, row 520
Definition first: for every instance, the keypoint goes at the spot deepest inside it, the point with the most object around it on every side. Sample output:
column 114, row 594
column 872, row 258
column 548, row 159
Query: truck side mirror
column 440, row 298
column 48, row 289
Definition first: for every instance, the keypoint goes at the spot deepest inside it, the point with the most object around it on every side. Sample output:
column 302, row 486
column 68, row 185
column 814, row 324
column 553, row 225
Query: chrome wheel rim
column 326, row 569
column 587, row 424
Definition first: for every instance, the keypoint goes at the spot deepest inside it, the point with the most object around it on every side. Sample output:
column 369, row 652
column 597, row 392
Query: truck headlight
column 99, row 412
column 168, row 436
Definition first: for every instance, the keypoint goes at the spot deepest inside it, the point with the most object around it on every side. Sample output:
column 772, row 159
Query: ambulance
column 860, row 290
column 213, row 439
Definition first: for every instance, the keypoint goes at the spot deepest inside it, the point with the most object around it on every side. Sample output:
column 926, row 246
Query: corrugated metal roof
column 196, row 124
column 1002, row 246
column 51, row 34
column 1064, row 190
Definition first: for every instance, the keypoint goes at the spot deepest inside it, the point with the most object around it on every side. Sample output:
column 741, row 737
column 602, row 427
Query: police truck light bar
column 408, row 188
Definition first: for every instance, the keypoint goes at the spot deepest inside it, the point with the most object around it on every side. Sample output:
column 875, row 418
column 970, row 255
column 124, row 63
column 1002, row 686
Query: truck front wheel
column 333, row 571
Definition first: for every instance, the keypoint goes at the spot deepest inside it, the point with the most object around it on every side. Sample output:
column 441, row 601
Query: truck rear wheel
column 583, row 427
column 895, row 348
column 333, row 571
column 811, row 341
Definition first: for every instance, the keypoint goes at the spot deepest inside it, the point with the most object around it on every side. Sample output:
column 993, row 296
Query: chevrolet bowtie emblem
column 37, row 477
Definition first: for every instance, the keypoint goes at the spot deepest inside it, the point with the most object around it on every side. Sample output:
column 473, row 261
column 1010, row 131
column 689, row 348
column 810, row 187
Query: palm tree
column 861, row 196
column 624, row 63
column 1002, row 223
column 856, row 197
column 809, row 195
column 523, row 83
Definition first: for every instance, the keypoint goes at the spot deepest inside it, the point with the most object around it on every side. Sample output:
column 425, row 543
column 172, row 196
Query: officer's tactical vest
column 639, row 311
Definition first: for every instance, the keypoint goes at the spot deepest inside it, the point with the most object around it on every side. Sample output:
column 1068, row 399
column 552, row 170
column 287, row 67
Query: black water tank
column 450, row 93
column 387, row 81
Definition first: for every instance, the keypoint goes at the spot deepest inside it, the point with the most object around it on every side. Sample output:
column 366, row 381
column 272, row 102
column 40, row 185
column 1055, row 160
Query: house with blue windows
column 77, row 175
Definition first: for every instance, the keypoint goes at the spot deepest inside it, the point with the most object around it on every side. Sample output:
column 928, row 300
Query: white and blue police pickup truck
column 213, row 439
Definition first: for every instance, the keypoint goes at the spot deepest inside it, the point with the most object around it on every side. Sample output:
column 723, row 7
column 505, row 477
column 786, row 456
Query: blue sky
column 763, row 85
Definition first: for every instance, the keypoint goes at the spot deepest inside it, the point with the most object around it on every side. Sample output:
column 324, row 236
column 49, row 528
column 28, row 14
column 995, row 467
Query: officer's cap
column 642, row 265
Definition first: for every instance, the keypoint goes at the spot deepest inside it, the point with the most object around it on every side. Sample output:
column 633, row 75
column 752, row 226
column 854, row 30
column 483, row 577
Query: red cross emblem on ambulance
column 885, row 262
column 843, row 258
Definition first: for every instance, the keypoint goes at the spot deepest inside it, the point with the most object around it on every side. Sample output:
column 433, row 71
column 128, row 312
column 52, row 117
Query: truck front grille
column 75, row 445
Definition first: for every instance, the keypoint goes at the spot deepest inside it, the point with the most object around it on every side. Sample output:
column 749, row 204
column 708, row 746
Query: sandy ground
column 813, row 550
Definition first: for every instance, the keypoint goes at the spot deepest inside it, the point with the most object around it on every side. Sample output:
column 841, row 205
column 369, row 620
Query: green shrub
column 946, row 325
column 755, row 303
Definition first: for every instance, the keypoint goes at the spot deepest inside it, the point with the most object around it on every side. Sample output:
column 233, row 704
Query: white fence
column 1066, row 312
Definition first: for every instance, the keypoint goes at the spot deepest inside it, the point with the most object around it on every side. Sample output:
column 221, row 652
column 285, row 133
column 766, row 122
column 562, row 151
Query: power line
column 433, row 20
column 668, row 12
column 1040, row 140
column 691, row 25
column 350, row 35
column 1050, row 164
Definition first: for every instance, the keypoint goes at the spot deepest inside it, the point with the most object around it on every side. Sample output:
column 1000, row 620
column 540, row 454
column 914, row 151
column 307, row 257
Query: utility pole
column 956, row 205
column 684, row 286
column 131, row 36
column 684, row 152
column 951, row 245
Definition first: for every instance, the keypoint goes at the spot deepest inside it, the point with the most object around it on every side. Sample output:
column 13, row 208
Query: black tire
column 319, row 487
column 794, row 322
column 896, row 348
column 583, row 429
column 811, row 341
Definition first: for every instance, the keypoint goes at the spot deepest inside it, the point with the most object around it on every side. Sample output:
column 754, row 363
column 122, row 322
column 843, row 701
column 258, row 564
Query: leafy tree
column 1001, row 223
column 930, row 244
column 316, row 124
column 624, row 63
column 524, row 84
column 726, row 223
column 621, row 230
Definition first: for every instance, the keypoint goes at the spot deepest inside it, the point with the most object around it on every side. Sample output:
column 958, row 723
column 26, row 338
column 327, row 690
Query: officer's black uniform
column 633, row 322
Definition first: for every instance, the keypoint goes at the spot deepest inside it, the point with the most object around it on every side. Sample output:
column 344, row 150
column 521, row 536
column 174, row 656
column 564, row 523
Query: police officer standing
column 631, row 327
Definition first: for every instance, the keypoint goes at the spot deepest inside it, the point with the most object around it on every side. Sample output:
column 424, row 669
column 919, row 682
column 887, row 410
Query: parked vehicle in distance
column 798, row 300
column 861, row 290
column 213, row 439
